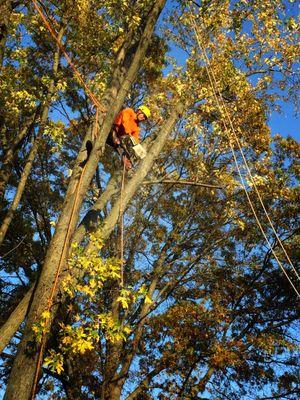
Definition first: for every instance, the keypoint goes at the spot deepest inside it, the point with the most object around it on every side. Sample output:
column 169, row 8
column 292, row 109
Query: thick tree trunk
column 21, row 380
column 88, row 223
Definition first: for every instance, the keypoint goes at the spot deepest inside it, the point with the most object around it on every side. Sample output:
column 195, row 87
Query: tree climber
column 126, row 125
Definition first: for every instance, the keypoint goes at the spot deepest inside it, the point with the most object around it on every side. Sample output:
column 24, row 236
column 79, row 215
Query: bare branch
column 182, row 182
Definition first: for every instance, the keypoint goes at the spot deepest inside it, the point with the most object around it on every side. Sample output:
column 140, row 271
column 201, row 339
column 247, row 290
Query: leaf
column 148, row 299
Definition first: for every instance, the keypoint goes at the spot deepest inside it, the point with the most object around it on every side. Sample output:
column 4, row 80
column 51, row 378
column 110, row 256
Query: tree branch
column 182, row 182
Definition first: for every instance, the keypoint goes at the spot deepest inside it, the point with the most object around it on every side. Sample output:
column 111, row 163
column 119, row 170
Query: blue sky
column 285, row 123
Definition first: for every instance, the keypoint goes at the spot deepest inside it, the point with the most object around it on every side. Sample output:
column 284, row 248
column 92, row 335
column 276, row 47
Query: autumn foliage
column 205, row 312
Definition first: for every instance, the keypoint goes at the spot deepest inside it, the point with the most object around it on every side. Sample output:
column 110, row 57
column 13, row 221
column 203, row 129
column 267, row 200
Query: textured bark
column 144, row 384
column 22, row 375
column 20, row 189
column 14, row 320
column 89, row 222
column 6, row 8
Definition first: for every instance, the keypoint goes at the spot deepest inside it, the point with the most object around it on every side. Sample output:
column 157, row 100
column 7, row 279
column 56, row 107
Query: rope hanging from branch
column 227, row 125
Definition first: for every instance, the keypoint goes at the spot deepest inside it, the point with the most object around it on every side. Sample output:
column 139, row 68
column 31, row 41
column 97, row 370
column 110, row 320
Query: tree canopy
column 203, row 304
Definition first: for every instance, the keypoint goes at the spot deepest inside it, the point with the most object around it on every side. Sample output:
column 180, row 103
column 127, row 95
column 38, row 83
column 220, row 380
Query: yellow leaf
column 46, row 314
column 148, row 299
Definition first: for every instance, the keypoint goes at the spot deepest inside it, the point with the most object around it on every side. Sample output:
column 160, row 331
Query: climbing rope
column 223, row 110
column 245, row 160
column 54, row 286
column 76, row 72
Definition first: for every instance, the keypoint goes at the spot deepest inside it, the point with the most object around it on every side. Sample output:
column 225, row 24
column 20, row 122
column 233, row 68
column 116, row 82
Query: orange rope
column 94, row 136
column 222, row 106
column 68, row 58
column 53, row 290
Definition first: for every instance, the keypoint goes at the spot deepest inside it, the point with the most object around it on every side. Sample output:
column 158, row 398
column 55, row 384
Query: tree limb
column 182, row 182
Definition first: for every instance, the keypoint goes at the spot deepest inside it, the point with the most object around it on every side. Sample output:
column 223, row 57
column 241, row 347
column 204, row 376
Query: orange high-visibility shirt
column 126, row 124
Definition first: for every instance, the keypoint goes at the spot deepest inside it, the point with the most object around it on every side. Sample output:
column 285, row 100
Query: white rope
column 222, row 106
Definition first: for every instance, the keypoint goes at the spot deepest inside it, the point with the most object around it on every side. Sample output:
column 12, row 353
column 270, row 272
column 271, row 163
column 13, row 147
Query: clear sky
column 286, row 123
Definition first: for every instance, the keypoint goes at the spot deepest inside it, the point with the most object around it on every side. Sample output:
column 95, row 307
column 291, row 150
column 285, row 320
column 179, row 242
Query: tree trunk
column 15, row 319
column 10, row 153
column 20, row 189
column 21, row 380
column 89, row 222
column 5, row 12
column 110, row 222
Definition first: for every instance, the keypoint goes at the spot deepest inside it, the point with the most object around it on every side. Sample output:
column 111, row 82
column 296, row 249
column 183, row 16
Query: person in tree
column 126, row 125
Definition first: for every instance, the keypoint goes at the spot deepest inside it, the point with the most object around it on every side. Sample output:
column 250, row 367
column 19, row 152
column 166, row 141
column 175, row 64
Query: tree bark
column 5, row 12
column 15, row 319
column 21, row 379
column 20, row 189
column 10, row 153
column 89, row 222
